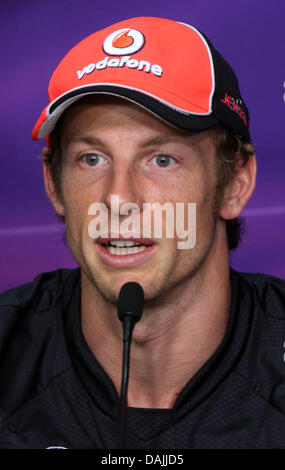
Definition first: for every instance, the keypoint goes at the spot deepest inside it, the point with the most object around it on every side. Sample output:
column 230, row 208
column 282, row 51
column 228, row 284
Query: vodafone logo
column 123, row 42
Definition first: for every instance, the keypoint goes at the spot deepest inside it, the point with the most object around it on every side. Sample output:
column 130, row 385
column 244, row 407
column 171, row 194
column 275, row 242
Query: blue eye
column 164, row 160
column 92, row 159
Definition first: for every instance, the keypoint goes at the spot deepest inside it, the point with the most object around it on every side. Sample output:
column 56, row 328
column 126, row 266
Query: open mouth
column 127, row 247
column 125, row 253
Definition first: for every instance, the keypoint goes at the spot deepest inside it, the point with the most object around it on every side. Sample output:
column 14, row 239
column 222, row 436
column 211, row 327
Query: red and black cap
column 167, row 67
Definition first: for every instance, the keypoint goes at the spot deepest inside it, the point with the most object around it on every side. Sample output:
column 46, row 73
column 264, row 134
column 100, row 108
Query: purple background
column 36, row 34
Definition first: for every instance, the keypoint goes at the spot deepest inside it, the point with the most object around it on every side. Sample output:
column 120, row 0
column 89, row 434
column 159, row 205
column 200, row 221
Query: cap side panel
column 211, row 63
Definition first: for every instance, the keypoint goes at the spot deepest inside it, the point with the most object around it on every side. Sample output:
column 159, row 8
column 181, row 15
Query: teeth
column 122, row 243
column 125, row 251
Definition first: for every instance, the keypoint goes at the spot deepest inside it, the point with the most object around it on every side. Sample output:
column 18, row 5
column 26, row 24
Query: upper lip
column 143, row 241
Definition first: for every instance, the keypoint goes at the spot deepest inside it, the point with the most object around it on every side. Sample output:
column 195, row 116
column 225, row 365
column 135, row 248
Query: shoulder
column 269, row 292
column 40, row 294
column 31, row 307
column 262, row 364
column 32, row 339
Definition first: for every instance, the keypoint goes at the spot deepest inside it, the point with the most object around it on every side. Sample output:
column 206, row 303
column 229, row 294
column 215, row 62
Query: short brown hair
column 231, row 153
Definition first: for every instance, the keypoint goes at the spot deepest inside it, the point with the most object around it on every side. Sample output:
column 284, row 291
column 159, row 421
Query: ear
column 51, row 191
column 239, row 190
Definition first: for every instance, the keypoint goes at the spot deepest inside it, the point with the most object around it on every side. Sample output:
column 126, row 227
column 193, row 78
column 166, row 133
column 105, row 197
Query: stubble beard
column 161, row 286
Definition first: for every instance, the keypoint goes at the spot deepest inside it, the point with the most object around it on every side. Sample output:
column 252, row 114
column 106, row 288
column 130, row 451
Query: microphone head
column 131, row 301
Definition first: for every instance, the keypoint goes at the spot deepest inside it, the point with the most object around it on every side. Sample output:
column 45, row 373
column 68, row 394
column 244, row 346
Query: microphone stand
column 128, row 326
column 130, row 309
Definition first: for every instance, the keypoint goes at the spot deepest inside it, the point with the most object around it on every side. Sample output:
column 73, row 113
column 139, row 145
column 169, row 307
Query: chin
column 158, row 277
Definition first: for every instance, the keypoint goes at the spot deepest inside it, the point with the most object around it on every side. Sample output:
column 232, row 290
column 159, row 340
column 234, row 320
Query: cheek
column 78, row 193
column 165, row 189
column 199, row 220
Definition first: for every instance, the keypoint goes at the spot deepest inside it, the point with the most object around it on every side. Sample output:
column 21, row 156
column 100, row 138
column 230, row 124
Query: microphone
column 130, row 309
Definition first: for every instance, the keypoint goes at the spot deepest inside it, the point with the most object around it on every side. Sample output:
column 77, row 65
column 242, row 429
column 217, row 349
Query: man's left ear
column 239, row 190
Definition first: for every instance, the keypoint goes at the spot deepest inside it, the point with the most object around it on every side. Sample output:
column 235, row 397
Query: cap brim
column 172, row 115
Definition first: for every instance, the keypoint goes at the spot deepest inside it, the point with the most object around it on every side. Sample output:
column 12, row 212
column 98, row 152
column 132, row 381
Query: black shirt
column 53, row 391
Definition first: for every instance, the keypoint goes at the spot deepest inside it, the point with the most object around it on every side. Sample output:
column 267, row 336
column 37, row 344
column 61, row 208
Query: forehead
column 105, row 117
column 111, row 110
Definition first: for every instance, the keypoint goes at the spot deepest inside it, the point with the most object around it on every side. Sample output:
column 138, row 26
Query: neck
column 171, row 342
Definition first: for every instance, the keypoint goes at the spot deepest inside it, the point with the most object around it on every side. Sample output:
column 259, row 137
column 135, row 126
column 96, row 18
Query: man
column 147, row 111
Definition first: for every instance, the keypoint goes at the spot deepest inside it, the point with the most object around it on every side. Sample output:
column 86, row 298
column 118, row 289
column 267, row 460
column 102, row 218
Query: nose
column 123, row 188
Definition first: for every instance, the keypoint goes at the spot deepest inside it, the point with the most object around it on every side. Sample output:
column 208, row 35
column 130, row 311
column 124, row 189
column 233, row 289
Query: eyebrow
column 82, row 139
column 165, row 139
column 156, row 140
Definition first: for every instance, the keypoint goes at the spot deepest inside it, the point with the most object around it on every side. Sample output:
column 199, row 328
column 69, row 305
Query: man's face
column 112, row 147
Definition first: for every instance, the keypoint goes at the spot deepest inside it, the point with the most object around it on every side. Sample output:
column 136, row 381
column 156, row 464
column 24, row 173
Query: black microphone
column 130, row 309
